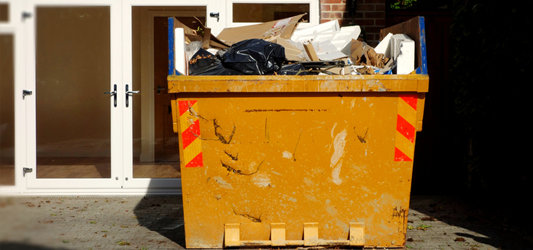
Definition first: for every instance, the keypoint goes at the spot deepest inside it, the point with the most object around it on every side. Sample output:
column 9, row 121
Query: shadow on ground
column 491, row 224
column 23, row 246
column 488, row 225
column 164, row 215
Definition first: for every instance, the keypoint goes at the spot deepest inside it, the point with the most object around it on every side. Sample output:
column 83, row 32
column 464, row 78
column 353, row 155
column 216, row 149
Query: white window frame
column 314, row 11
column 13, row 27
column 24, row 110
column 67, row 185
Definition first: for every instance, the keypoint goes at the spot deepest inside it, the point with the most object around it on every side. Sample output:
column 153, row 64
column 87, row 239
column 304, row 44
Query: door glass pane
column 4, row 12
column 155, row 145
column 264, row 12
column 7, row 108
column 73, row 72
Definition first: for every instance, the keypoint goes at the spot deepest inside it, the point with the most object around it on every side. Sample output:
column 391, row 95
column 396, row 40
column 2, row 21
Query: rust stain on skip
column 221, row 137
column 247, row 216
column 399, row 212
column 233, row 157
column 237, row 171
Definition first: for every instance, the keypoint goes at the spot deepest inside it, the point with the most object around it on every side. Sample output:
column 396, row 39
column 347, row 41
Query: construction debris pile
column 281, row 48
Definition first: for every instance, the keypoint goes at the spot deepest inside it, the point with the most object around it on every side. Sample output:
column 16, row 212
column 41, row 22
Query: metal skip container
column 299, row 160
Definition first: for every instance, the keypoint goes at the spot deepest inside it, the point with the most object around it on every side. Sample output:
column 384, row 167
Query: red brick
column 326, row 15
column 380, row 7
column 374, row 14
column 325, row 7
column 346, row 22
column 364, row 22
column 359, row 15
column 338, row 14
column 380, row 22
column 372, row 37
column 366, row 7
column 338, row 7
column 373, row 30
column 330, row 1
column 375, row 1
column 324, row 20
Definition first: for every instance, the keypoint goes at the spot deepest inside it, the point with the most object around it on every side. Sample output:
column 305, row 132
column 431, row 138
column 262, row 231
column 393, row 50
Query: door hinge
column 25, row 93
column 215, row 14
column 26, row 15
column 26, row 170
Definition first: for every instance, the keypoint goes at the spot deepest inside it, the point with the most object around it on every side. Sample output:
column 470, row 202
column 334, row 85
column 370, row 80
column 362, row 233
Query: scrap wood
column 310, row 50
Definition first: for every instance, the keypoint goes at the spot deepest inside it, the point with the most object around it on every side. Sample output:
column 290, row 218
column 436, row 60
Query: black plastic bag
column 205, row 63
column 293, row 69
column 254, row 57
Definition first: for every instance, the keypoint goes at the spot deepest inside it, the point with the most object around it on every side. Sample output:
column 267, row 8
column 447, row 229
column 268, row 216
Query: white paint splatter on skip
column 339, row 142
column 222, row 183
column 335, row 174
column 261, row 180
column 333, row 129
column 353, row 103
column 287, row 154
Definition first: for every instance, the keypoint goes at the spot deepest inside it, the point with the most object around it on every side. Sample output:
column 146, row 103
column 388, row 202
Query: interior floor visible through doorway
column 99, row 167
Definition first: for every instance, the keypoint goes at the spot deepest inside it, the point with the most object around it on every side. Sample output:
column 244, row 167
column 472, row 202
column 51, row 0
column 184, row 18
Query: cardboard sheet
column 291, row 52
column 356, row 51
column 269, row 31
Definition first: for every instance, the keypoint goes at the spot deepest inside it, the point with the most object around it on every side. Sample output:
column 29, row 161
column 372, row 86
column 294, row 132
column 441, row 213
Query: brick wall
column 370, row 16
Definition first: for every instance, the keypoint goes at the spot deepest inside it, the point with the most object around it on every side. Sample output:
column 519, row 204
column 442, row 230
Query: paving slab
column 156, row 222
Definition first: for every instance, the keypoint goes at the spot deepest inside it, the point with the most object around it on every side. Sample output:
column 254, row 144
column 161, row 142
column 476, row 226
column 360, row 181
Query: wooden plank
column 410, row 28
column 310, row 50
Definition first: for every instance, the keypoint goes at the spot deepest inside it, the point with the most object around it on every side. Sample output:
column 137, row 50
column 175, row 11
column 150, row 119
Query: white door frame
column 163, row 185
column 121, row 74
column 314, row 11
column 66, row 185
column 14, row 27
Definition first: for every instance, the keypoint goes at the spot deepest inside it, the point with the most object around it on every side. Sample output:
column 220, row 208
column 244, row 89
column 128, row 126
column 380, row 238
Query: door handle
column 128, row 94
column 113, row 94
column 159, row 89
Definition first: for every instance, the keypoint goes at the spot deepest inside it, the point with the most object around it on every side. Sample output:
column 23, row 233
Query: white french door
column 152, row 156
column 95, row 95
column 73, row 56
